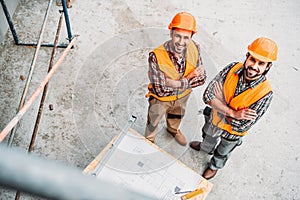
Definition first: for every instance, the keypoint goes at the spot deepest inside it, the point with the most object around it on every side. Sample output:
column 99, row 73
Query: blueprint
column 134, row 163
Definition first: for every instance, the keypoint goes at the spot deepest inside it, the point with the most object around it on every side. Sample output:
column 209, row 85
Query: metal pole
column 53, row 180
column 33, row 97
column 30, row 149
column 36, row 52
column 11, row 137
column 43, row 45
column 15, row 35
column 65, row 10
column 40, row 111
column 9, row 21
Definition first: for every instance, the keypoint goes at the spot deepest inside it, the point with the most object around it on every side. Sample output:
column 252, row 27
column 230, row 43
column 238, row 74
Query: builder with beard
column 238, row 96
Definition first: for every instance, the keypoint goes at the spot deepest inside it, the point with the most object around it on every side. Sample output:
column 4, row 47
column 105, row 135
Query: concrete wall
column 11, row 6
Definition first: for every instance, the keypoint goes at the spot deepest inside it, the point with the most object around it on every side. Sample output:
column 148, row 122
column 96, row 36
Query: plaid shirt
column 158, row 79
column 260, row 106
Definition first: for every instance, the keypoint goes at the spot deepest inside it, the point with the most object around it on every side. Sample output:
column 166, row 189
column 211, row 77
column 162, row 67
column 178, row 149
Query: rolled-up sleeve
column 208, row 94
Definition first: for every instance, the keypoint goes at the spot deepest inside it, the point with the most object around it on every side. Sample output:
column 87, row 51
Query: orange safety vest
column 165, row 65
column 243, row 100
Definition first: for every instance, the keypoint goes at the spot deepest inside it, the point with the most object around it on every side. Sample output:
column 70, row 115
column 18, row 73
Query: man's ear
column 269, row 66
column 247, row 55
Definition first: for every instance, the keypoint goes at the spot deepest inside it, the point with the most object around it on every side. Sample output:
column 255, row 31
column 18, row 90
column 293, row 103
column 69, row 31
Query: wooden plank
column 203, row 187
column 89, row 169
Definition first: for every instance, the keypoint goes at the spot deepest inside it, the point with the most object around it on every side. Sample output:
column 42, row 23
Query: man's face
column 180, row 40
column 254, row 68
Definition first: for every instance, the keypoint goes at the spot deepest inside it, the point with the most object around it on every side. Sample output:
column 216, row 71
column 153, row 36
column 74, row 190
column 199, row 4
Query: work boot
column 195, row 145
column 179, row 137
column 209, row 173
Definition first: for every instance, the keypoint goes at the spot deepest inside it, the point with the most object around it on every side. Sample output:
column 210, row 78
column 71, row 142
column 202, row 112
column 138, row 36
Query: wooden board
column 133, row 162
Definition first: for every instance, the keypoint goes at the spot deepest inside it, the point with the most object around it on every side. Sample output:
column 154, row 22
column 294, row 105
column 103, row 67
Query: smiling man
column 239, row 95
column 175, row 67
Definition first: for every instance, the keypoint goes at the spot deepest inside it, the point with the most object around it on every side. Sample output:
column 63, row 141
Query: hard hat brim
column 184, row 28
column 260, row 57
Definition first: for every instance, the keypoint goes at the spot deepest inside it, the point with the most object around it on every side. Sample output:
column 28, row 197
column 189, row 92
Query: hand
column 218, row 91
column 173, row 83
column 196, row 72
column 245, row 114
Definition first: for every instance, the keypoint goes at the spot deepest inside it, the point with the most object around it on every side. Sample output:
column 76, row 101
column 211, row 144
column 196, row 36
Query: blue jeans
column 214, row 143
column 222, row 153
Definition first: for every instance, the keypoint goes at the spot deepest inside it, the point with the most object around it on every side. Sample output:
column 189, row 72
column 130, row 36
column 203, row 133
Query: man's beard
column 249, row 76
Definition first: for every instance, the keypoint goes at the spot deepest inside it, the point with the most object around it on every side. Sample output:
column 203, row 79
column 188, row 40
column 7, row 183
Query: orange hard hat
column 263, row 49
column 184, row 20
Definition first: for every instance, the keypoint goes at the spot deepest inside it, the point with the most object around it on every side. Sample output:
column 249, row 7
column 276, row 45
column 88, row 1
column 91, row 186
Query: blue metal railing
column 15, row 35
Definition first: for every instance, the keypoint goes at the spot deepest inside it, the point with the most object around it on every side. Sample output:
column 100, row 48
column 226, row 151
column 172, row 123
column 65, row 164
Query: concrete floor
column 103, row 81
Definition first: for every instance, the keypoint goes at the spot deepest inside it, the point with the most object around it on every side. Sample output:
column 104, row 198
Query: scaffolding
column 9, row 20
column 10, row 128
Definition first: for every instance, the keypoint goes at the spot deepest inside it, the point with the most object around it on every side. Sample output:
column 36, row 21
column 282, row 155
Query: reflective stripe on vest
column 241, row 101
column 165, row 65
